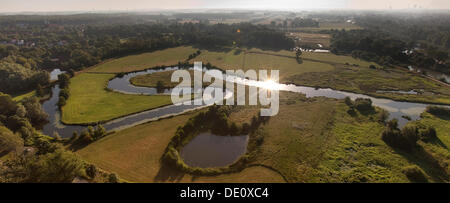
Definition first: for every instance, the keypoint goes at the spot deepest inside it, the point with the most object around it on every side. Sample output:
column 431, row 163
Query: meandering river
column 396, row 109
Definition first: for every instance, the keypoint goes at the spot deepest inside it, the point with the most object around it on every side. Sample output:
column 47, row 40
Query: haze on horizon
column 112, row 5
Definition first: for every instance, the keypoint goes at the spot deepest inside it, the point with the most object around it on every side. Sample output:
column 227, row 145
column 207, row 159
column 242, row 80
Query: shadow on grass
column 168, row 173
column 438, row 142
column 419, row 156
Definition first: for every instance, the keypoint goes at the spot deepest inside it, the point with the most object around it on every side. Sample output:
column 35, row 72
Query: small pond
column 208, row 150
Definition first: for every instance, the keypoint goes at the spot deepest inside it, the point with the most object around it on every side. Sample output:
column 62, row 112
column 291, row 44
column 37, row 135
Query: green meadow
column 91, row 102
column 170, row 56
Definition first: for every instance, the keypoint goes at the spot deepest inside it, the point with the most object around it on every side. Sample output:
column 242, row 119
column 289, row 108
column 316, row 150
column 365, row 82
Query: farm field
column 90, row 102
column 170, row 56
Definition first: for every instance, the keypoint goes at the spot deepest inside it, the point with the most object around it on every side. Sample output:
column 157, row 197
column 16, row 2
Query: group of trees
column 44, row 161
column 63, row 81
column 295, row 23
column 87, row 136
column 21, row 118
column 369, row 45
column 407, row 137
column 76, row 42
column 16, row 78
column 428, row 36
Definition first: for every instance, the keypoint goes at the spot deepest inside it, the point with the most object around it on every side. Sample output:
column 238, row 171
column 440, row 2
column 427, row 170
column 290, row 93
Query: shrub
column 159, row 86
column 91, row 170
column 9, row 141
column 415, row 174
column 384, row 115
column 392, row 124
column 233, row 129
column 63, row 80
column 35, row 114
column 348, row 101
column 438, row 111
column 410, row 134
column 363, row 104
column 427, row 133
column 85, row 138
column 61, row 102
column 64, row 93
column 113, row 178
column 405, row 139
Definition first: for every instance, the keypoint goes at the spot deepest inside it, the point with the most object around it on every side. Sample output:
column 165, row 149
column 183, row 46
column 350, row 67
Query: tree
column 35, row 114
column 233, row 129
column 298, row 53
column 113, row 178
column 91, row 170
column 9, row 141
column 159, row 86
column 8, row 107
column 21, row 111
column 39, row 90
column 64, row 80
column 61, row 102
column 99, row 132
column 59, row 166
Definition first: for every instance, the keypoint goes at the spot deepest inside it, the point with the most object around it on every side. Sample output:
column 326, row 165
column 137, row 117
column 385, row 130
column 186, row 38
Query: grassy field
column 151, row 80
column 236, row 59
column 89, row 101
column 287, row 66
column 227, row 59
column 367, row 81
column 169, row 56
column 316, row 140
column 439, row 148
column 310, row 140
column 134, row 154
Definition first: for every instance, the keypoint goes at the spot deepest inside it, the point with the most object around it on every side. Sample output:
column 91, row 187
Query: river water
column 396, row 109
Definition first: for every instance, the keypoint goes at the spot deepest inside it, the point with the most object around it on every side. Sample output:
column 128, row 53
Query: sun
column 269, row 84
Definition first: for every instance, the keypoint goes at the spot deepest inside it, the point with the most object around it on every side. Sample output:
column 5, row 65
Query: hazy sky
column 104, row 5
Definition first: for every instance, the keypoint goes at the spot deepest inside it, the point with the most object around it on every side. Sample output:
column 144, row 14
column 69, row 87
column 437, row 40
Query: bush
column 85, row 138
column 384, row 115
column 438, row 111
column 64, row 93
column 348, row 101
column 410, row 134
column 405, row 139
column 392, row 124
column 63, row 80
column 91, row 170
column 113, row 178
column 61, row 102
column 415, row 174
column 9, row 141
column 428, row 133
column 35, row 114
column 363, row 104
